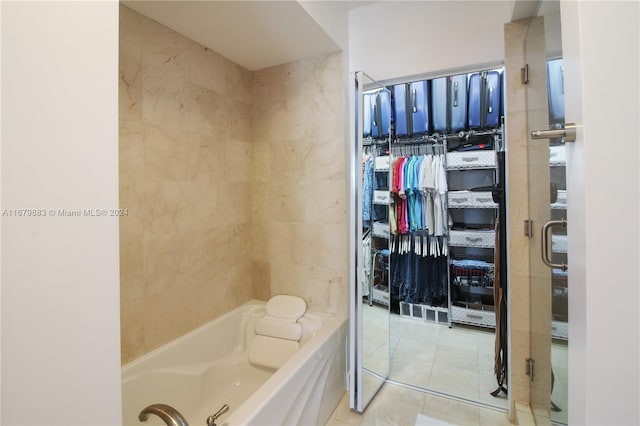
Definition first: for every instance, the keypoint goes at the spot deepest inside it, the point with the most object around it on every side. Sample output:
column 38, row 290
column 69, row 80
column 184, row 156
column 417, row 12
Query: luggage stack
column 419, row 110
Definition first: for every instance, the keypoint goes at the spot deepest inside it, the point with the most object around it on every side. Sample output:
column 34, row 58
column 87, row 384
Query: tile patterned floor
column 398, row 406
column 457, row 361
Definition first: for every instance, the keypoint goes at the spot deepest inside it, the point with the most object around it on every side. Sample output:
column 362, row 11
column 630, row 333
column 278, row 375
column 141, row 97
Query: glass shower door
column 547, row 159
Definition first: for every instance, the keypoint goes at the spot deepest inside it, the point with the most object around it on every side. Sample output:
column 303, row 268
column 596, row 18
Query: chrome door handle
column 545, row 244
column 567, row 133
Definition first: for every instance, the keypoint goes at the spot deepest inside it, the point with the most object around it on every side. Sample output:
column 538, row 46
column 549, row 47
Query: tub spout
column 170, row 415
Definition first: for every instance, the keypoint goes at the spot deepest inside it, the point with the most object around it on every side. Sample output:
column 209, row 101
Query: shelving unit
column 471, row 176
column 381, row 197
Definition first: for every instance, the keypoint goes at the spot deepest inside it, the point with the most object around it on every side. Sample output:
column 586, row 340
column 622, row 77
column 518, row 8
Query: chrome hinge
column 530, row 368
column 524, row 74
column 528, row 228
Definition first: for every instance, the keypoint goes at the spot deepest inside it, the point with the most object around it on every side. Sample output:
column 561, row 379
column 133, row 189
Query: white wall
column 395, row 39
column 332, row 16
column 600, row 45
column 60, row 275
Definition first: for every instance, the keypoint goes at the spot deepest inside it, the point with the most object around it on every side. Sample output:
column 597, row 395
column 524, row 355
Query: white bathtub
column 201, row 371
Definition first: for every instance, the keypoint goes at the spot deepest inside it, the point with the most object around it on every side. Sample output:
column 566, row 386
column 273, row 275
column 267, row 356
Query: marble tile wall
column 185, row 174
column 234, row 183
column 299, row 215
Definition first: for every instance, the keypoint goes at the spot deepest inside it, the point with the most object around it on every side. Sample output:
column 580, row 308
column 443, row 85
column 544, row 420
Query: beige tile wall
column 299, row 215
column 233, row 180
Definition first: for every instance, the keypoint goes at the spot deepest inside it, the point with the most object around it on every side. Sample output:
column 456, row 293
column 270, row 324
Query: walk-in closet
column 432, row 179
column 432, row 252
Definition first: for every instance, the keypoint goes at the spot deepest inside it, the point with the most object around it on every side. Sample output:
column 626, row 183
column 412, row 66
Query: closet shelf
column 471, row 199
column 475, row 290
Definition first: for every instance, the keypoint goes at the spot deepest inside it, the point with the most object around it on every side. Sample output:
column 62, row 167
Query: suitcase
column 419, row 95
column 449, row 103
column 485, row 99
column 411, row 109
column 381, row 114
column 555, row 80
column 400, row 101
column 475, row 143
column 366, row 114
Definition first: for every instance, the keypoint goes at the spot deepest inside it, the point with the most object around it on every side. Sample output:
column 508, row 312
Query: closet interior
column 431, row 196
column 432, row 199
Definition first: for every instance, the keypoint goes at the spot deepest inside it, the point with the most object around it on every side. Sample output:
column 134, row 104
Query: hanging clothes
column 419, row 270
column 419, row 188
column 367, row 188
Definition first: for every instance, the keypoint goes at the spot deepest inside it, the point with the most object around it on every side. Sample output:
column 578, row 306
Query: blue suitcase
column 367, row 109
column 555, row 79
column 419, row 97
column 400, row 110
column 411, row 108
column 449, row 103
column 381, row 114
column 485, row 99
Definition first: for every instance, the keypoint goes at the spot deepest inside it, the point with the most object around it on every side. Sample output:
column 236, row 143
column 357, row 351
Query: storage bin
column 381, row 197
column 381, row 229
column 471, row 160
column 381, row 163
column 471, row 199
column 483, row 318
column 485, row 238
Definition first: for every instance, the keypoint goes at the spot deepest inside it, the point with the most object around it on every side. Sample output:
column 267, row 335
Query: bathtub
column 201, row 371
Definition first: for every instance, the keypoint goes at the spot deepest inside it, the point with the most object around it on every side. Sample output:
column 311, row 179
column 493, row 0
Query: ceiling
column 253, row 34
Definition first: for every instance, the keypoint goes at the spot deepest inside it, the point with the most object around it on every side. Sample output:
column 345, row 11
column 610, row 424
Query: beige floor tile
column 394, row 405
column 455, row 357
column 459, row 337
column 458, row 361
column 449, row 410
column 454, row 381
column 493, row 418
column 335, row 422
